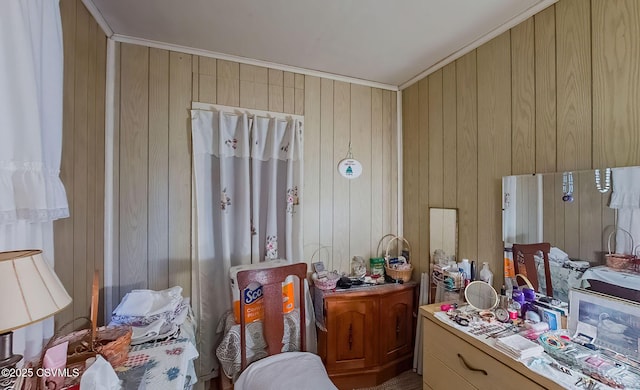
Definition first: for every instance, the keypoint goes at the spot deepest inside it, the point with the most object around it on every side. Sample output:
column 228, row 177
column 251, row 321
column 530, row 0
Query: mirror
column 481, row 296
column 536, row 208
column 443, row 244
column 443, row 231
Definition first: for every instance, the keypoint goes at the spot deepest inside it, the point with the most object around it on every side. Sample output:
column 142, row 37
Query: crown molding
column 249, row 61
column 93, row 10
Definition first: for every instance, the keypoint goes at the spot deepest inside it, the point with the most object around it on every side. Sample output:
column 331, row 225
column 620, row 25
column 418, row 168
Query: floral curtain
column 247, row 183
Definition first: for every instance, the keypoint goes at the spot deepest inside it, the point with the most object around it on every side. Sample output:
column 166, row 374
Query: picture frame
column 319, row 269
column 613, row 323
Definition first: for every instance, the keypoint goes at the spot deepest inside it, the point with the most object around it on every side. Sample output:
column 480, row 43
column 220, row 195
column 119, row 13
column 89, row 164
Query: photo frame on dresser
column 614, row 321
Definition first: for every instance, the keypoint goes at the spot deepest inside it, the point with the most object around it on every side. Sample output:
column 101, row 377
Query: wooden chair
column 288, row 370
column 524, row 263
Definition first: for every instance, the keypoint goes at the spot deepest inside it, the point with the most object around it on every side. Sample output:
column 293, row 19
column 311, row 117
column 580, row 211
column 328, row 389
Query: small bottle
column 485, row 274
column 465, row 266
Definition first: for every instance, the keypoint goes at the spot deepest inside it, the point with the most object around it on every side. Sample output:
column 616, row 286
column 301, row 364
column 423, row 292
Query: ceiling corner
column 93, row 10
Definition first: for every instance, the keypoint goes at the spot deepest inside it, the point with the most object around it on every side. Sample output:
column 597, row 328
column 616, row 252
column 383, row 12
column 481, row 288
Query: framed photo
column 613, row 323
column 318, row 267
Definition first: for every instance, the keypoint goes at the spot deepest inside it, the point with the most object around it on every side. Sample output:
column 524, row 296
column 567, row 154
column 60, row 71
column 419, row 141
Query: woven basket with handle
column 399, row 274
column 331, row 280
column 620, row 261
column 110, row 342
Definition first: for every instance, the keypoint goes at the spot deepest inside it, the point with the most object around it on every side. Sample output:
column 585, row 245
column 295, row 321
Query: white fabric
column 148, row 331
column 625, row 188
column 625, row 197
column 31, row 193
column 247, row 178
column 611, row 276
column 518, row 347
column 100, row 376
column 31, row 69
column 149, row 302
column 290, row 370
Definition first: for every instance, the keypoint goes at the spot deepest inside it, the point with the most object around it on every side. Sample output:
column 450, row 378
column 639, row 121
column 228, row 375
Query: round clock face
column 502, row 315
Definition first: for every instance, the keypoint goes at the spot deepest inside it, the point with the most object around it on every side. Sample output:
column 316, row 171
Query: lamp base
column 7, row 357
column 10, row 362
column 8, row 382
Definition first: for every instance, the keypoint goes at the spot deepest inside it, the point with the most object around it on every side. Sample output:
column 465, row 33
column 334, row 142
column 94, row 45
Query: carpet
column 408, row 380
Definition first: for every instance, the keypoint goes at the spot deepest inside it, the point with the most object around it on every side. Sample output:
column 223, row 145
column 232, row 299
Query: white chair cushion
column 289, row 370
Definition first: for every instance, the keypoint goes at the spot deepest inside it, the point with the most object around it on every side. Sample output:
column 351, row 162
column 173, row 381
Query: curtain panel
column 247, row 172
column 31, row 62
column 625, row 198
column 31, row 193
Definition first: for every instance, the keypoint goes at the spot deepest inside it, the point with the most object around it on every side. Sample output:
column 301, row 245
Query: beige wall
column 155, row 89
column 79, row 239
column 558, row 92
column 152, row 167
column 561, row 91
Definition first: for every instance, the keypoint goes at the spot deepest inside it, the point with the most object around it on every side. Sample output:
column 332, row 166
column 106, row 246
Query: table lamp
column 30, row 291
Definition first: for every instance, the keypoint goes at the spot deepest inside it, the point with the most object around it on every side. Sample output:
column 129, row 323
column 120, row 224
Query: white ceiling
column 379, row 41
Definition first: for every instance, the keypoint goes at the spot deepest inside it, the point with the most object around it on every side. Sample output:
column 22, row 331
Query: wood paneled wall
column 559, row 92
column 79, row 239
column 153, row 159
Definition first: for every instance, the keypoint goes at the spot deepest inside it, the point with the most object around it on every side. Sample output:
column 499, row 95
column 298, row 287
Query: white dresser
column 455, row 360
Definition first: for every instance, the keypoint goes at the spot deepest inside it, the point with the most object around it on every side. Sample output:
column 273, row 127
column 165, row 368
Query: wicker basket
column 331, row 280
column 110, row 342
column 620, row 261
column 393, row 272
column 328, row 283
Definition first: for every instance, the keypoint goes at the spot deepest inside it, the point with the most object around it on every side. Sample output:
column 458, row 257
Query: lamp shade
column 30, row 290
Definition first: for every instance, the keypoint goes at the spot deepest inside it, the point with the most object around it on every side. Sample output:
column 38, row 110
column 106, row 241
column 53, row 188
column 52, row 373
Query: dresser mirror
column 481, row 295
column 567, row 209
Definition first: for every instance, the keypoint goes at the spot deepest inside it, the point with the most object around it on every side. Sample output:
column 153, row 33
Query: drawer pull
column 464, row 362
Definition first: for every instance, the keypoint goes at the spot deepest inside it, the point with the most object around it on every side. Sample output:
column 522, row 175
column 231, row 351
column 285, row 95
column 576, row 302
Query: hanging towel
column 625, row 188
column 625, row 197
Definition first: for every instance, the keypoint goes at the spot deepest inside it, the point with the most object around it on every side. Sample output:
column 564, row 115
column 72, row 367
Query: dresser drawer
column 475, row 366
column 437, row 376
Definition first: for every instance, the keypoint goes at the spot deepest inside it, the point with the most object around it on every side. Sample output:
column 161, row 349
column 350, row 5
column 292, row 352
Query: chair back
column 273, row 323
column 524, row 263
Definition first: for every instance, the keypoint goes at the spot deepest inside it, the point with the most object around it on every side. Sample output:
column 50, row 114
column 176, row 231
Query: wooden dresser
column 453, row 359
column 368, row 333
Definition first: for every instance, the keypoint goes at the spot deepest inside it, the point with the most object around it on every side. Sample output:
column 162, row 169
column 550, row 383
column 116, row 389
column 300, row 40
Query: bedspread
column 166, row 365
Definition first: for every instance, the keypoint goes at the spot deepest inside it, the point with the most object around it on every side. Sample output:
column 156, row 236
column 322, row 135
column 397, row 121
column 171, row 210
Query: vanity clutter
column 531, row 341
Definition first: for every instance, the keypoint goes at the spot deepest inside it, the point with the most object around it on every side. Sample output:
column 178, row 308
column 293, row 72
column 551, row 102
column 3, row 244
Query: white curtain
column 625, row 197
column 247, row 179
column 31, row 193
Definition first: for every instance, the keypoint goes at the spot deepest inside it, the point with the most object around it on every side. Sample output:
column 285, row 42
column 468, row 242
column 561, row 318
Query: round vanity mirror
column 481, row 295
